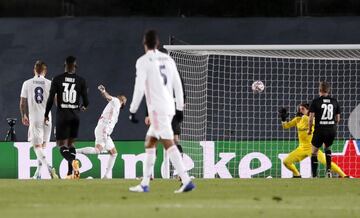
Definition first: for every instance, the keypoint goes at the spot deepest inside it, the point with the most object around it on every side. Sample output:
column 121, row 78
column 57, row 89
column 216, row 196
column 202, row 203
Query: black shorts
column 67, row 125
column 323, row 136
column 176, row 126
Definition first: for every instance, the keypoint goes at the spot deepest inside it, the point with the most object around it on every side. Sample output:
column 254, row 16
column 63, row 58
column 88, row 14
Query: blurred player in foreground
column 104, row 128
column 304, row 149
column 158, row 78
column 34, row 94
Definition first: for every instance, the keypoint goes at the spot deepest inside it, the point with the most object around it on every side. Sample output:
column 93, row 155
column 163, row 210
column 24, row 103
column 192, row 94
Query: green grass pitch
column 212, row 198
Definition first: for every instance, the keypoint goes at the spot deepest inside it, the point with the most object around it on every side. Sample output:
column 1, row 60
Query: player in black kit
column 326, row 111
column 68, row 88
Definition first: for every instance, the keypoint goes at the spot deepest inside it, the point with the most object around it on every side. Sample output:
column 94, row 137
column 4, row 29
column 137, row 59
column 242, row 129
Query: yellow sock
column 337, row 169
column 293, row 169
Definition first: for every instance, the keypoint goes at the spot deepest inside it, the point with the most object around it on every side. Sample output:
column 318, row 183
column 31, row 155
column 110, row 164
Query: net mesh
column 222, row 108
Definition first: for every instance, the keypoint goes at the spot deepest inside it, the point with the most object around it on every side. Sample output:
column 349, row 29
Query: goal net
column 231, row 132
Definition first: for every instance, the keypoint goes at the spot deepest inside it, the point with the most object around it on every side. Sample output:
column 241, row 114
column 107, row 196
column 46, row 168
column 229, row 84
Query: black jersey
column 325, row 109
column 68, row 88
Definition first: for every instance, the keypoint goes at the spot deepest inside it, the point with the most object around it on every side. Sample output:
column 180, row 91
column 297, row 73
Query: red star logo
column 349, row 159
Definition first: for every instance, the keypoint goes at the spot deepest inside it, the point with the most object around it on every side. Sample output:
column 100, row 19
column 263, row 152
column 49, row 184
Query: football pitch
column 212, row 198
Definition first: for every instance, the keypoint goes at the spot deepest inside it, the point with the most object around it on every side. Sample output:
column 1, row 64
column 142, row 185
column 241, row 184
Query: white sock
column 87, row 150
column 38, row 169
column 148, row 167
column 41, row 156
column 110, row 165
column 176, row 160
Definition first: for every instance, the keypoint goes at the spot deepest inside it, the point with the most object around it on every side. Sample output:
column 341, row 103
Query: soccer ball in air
column 258, row 86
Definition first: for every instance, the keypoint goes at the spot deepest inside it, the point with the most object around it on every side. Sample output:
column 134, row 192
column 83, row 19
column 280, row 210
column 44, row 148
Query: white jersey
column 110, row 114
column 36, row 90
column 158, row 78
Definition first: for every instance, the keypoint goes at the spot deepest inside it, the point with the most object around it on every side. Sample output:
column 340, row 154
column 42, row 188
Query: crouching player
column 305, row 147
column 104, row 128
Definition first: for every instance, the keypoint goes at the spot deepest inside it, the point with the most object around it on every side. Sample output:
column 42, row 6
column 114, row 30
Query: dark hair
column 151, row 39
column 324, row 87
column 70, row 60
column 305, row 105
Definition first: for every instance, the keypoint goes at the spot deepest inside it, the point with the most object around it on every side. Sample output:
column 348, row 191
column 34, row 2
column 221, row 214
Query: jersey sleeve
column 312, row 108
column 115, row 102
column 50, row 100
column 139, row 87
column 178, row 89
column 84, row 93
column 182, row 85
column 338, row 109
column 23, row 93
column 291, row 123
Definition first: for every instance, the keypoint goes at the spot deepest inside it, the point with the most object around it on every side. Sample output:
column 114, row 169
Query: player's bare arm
column 311, row 120
column 104, row 93
column 337, row 118
column 24, row 111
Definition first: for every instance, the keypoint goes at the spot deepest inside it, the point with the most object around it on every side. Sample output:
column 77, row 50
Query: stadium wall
column 107, row 49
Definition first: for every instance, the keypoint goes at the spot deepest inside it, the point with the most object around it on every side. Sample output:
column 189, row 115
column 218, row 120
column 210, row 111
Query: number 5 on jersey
column 163, row 73
column 69, row 94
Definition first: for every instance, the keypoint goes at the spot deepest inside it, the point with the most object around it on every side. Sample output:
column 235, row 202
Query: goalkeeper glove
column 132, row 118
column 179, row 116
column 283, row 114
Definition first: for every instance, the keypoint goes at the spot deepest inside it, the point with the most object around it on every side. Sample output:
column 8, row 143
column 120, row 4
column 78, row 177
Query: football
column 258, row 86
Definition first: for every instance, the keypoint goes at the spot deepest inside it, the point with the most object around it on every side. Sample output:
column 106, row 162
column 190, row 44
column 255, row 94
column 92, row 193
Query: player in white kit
column 157, row 77
column 34, row 94
column 104, row 128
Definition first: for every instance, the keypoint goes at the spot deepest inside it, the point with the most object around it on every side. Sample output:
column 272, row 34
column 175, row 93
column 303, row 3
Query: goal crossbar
column 308, row 51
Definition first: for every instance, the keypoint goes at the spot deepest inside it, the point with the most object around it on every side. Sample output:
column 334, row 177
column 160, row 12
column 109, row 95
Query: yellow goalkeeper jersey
column 302, row 125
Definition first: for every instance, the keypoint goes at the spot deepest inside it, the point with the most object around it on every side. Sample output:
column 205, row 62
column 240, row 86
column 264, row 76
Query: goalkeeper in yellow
column 304, row 149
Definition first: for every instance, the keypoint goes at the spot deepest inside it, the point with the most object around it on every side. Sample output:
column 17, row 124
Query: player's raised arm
column 291, row 123
column 104, row 93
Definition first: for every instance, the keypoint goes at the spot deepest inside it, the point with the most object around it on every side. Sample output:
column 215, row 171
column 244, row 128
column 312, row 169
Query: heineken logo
column 208, row 162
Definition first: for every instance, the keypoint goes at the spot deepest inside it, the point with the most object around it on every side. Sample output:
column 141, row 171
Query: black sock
column 64, row 151
column 328, row 159
column 67, row 154
column 72, row 151
column 70, row 168
column 314, row 165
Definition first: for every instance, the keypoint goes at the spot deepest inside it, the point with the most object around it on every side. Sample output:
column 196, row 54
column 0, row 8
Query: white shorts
column 39, row 133
column 160, row 127
column 102, row 137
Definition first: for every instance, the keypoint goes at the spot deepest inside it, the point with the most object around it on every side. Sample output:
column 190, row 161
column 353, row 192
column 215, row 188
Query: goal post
column 229, row 131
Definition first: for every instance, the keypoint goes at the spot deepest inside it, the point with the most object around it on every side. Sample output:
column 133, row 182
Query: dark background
column 106, row 38
column 107, row 49
column 188, row 8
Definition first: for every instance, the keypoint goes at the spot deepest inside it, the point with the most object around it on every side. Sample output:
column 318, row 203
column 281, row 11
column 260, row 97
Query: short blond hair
column 122, row 98
column 324, row 87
